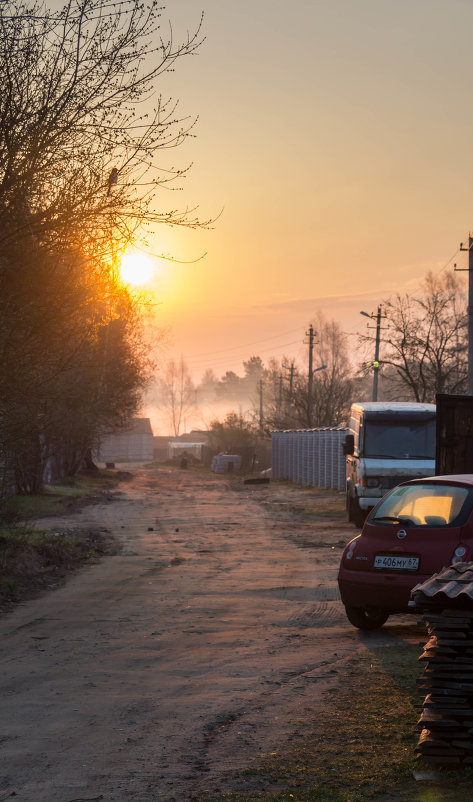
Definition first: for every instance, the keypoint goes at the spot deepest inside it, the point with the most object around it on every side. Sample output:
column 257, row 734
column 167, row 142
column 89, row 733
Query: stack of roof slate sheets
column 446, row 722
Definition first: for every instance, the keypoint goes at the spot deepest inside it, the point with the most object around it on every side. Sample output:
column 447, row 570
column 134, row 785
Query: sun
column 136, row 268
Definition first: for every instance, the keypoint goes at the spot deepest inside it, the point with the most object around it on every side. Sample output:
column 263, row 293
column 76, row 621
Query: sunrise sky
column 335, row 138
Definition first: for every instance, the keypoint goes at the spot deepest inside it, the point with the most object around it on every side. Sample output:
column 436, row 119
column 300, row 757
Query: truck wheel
column 354, row 511
column 366, row 618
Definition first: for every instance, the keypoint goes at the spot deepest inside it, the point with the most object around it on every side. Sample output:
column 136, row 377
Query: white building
column 134, row 444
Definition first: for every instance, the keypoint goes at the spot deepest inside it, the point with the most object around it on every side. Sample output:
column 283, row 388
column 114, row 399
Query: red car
column 414, row 531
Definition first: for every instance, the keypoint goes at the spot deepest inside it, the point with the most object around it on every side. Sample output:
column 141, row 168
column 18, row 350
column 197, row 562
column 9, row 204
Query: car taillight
column 459, row 555
column 350, row 549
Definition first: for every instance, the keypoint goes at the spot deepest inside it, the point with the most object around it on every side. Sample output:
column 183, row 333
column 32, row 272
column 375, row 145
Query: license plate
column 397, row 563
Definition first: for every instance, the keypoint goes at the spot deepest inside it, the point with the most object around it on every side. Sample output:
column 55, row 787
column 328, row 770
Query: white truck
column 388, row 443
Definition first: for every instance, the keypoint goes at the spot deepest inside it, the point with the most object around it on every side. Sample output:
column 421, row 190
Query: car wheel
column 366, row 618
column 354, row 511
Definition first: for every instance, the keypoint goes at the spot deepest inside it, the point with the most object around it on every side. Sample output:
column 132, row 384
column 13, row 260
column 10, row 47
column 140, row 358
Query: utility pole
column 378, row 317
column 310, row 378
column 291, row 368
column 291, row 382
column 376, row 355
column 470, row 310
column 470, row 315
column 261, row 406
column 310, row 334
column 280, row 400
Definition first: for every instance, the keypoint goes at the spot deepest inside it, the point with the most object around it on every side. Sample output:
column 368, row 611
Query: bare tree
column 78, row 178
column 333, row 386
column 177, row 392
column 424, row 344
column 77, row 152
column 286, row 385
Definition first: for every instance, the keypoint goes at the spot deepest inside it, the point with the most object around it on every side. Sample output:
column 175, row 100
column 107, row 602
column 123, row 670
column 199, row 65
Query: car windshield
column 400, row 440
column 424, row 505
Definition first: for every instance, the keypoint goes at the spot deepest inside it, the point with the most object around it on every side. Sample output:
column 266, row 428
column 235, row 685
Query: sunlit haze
column 334, row 146
column 136, row 269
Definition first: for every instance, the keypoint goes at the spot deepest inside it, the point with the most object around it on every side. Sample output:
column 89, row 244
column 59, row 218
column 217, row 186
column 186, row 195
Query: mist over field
column 197, row 419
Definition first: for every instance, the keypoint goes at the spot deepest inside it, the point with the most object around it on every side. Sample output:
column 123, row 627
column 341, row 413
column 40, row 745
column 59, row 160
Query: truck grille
column 388, row 482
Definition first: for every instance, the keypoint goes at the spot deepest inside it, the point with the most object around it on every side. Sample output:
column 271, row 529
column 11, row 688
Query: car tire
column 354, row 512
column 366, row 618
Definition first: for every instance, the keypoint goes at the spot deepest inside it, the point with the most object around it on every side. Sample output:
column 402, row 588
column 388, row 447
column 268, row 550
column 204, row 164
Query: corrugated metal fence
column 310, row 457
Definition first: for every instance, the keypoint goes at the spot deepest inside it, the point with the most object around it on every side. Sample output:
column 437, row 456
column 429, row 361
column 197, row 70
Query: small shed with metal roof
column 133, row 444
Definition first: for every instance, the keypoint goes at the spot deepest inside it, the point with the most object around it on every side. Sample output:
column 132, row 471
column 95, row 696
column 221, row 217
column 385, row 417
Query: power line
column 223, row 360
column 448, row 262
column 249, row 345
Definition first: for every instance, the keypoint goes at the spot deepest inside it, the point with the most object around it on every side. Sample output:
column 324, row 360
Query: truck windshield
column 399, row 440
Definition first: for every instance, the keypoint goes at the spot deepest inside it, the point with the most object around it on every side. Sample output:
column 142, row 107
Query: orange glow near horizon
column 351, row 203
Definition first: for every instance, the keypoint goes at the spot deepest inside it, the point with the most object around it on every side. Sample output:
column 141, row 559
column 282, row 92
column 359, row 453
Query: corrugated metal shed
column 310, row 457
column 134, row 443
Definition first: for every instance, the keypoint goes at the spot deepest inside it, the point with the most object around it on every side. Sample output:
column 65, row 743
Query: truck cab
column 388, row 443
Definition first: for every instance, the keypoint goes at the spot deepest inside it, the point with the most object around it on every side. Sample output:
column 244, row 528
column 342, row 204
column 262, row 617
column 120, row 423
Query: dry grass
column 361, row 749
column 32, row 560
column 307, row 503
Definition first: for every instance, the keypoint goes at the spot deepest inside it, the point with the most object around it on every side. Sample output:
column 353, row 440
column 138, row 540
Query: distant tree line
column 269, row 396
column 423, row 351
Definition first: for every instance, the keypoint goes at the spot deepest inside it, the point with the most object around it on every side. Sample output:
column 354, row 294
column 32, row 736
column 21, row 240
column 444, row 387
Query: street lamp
column 375, row 363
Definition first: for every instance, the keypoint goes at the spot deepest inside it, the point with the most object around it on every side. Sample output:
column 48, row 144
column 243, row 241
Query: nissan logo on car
column 401, row 533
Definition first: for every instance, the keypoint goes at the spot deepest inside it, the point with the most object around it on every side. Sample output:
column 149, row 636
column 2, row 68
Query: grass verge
column 33, row 560
column 361, row 748
column 62, row 498
column 288, row 501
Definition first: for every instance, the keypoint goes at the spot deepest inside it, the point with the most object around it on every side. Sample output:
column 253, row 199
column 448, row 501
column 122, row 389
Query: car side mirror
column 349, row 444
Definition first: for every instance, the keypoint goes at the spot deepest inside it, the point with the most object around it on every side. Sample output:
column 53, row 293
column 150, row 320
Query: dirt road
column 155, row 674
